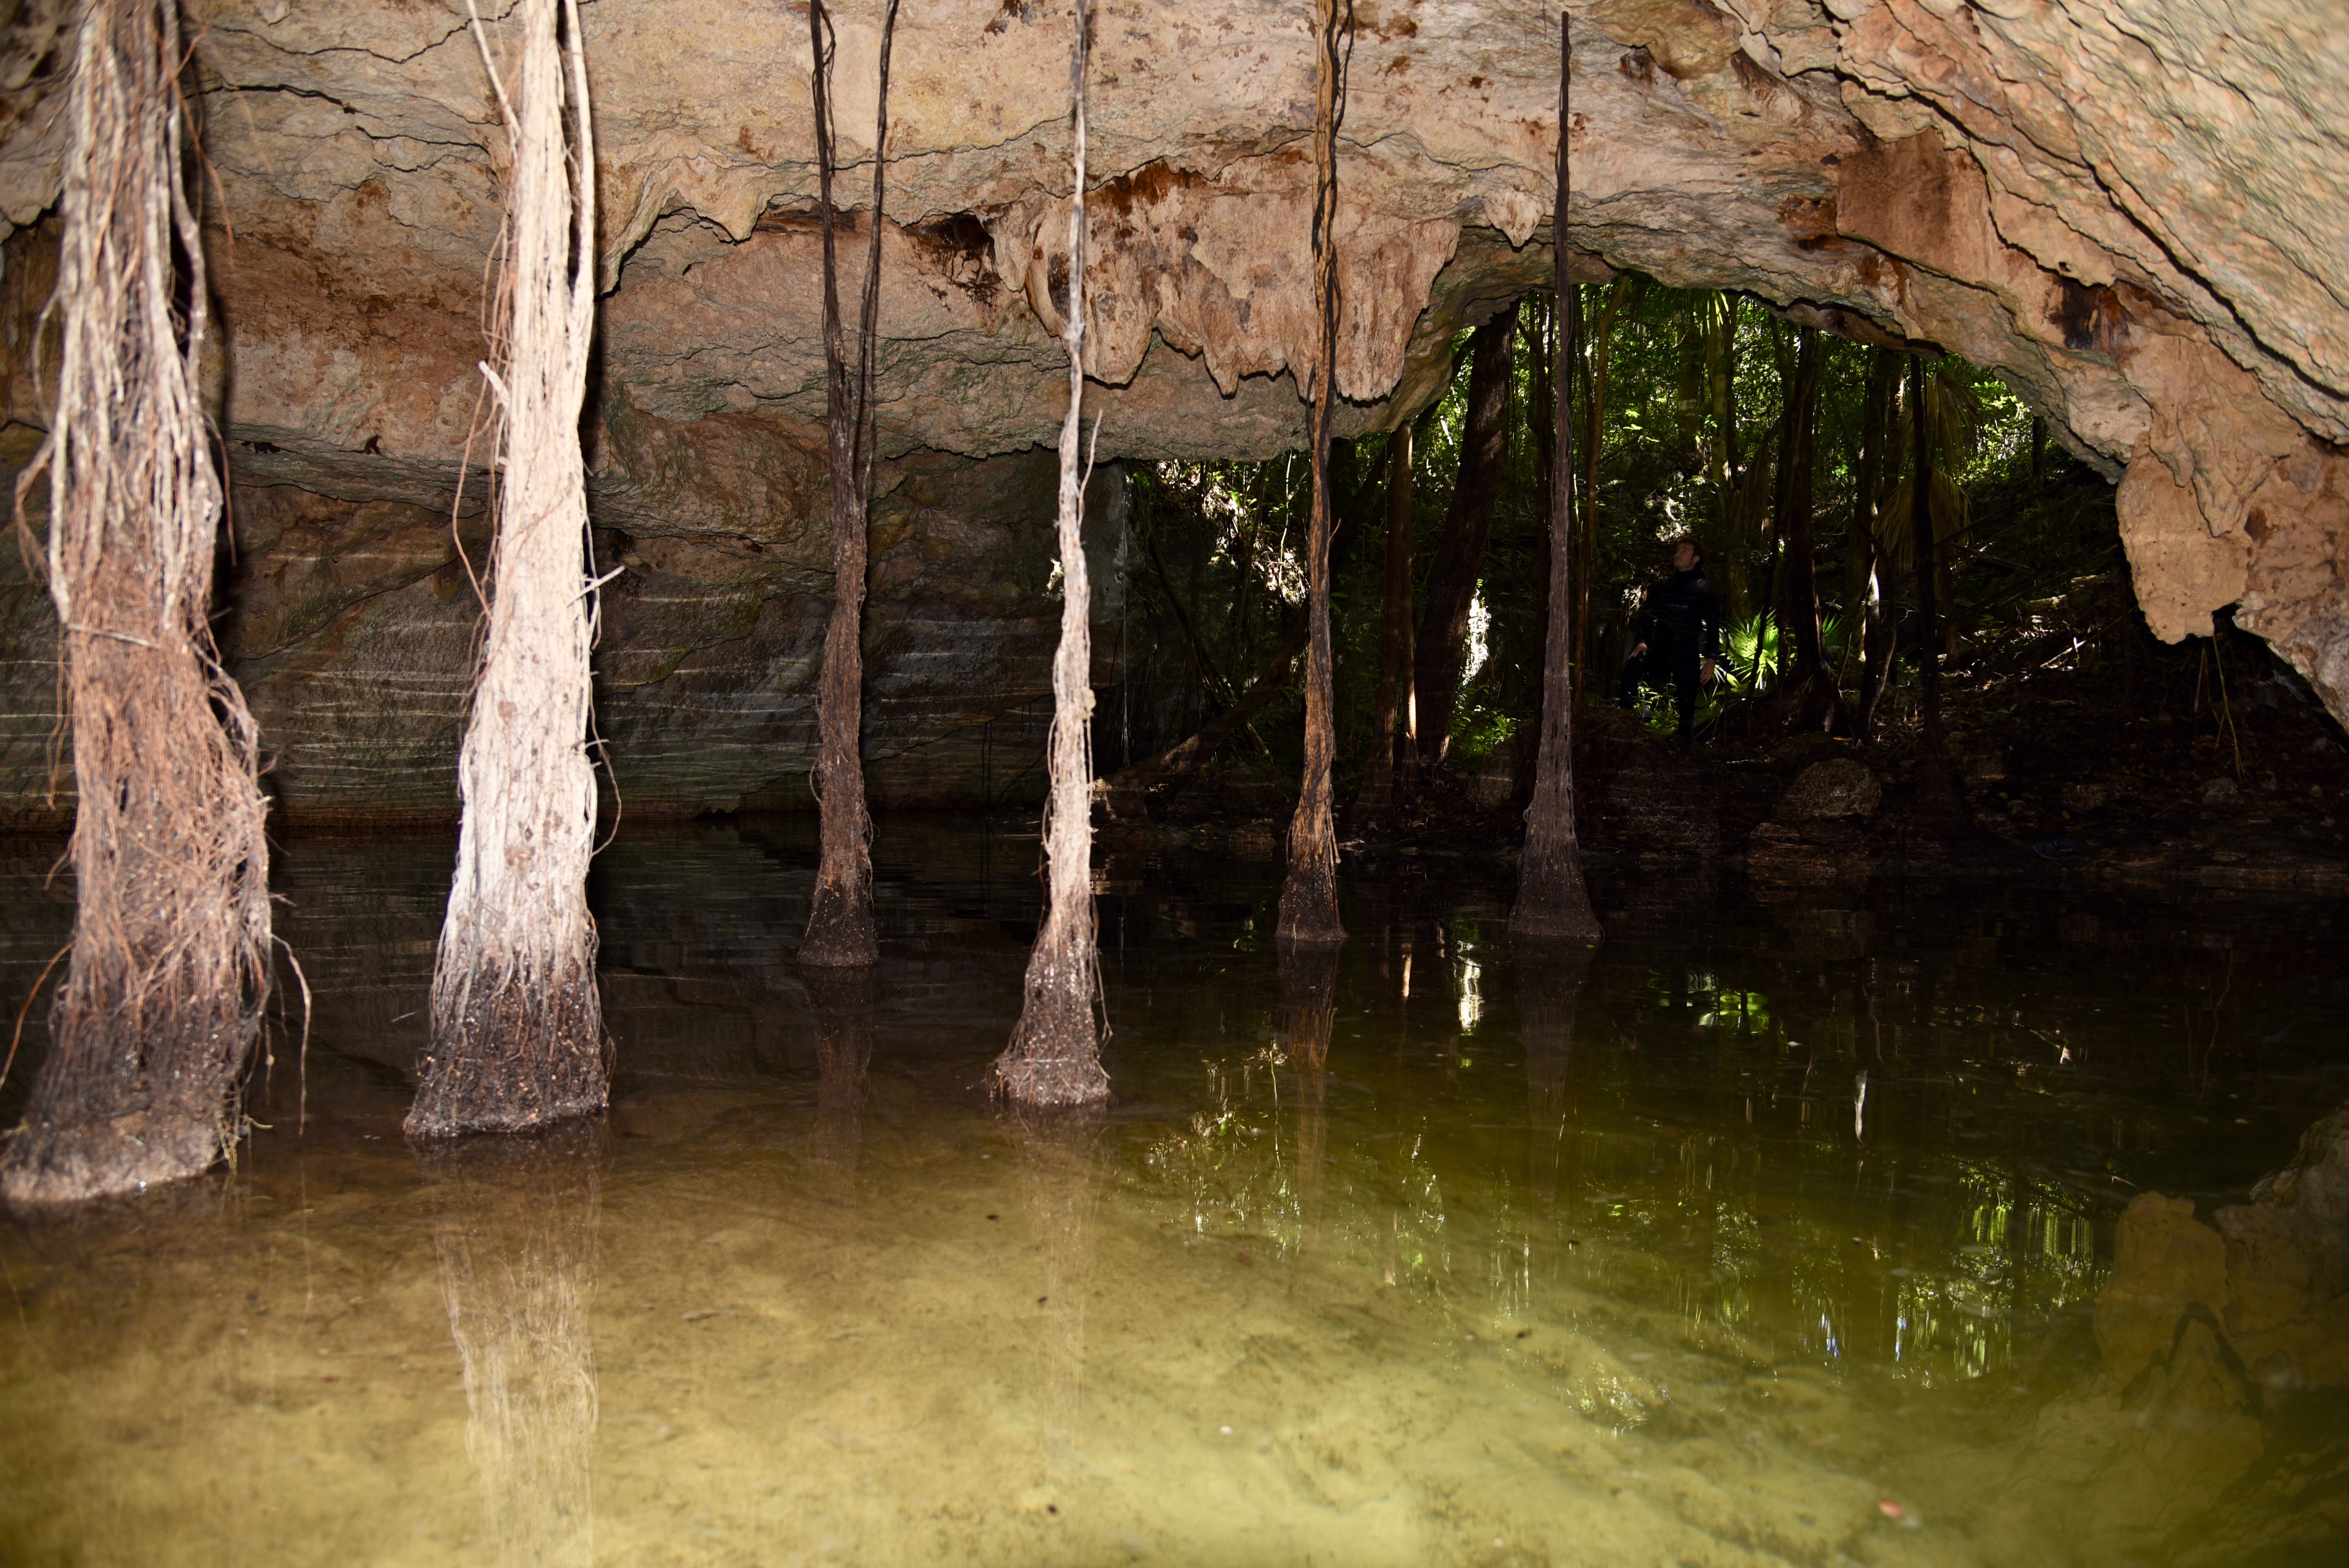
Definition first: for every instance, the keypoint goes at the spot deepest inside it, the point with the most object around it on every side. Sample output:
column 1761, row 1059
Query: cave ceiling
column 2134, row 212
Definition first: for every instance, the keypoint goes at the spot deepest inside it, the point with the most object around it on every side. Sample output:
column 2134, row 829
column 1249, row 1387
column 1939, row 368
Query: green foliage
column 1685, row 444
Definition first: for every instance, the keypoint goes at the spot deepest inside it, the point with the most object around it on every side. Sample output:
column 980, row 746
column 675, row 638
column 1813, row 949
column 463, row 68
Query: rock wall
column 351, row 626
column 2217, row 1337
column 2132, row 211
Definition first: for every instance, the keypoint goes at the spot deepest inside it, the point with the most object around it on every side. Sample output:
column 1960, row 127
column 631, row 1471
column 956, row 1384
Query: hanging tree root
column 156, row 1020
column 1553, row 899
column 1309, row 898
column 517, row 1030
column 840, row 933
column 1054, row 1057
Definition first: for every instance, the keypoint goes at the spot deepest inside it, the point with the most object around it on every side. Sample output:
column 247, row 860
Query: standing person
column 1679, row 631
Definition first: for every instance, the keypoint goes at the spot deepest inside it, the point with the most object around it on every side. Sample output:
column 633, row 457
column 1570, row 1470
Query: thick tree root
column 47, row 1166
column 522, row 1058
column 839, row 934
column 1308, row 904
column 1054, row 1057
column 1554, row 907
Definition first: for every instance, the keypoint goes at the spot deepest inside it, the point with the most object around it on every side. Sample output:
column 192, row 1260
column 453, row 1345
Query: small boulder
column 2219, row 792
column 1829, row 791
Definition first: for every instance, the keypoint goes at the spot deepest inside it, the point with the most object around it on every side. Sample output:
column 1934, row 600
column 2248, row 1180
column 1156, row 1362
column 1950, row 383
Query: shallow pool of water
column 1774, row 1234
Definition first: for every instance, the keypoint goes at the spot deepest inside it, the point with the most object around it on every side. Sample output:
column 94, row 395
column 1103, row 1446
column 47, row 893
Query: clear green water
column 1427, row 1258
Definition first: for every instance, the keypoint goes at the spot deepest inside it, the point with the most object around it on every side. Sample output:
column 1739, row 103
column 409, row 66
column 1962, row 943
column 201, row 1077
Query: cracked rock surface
column 2133, row 211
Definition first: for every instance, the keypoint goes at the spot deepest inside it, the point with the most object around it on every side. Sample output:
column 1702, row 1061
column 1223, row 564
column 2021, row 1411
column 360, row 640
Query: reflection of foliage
column 1233, row 1168
column 1059, row 1163
column 1812, row 1277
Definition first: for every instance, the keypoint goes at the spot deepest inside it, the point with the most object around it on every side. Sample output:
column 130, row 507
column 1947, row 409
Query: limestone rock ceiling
column 2132, row 208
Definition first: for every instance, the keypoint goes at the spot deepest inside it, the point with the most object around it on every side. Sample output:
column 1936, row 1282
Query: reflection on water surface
column 1770, row 1233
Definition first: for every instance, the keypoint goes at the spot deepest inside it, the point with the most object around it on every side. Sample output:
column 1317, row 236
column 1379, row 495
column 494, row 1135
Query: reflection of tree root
column 1059, row 1165
column 514, row 1229
column 1550, row 988
column 843, row 1001
column 1309, row 1011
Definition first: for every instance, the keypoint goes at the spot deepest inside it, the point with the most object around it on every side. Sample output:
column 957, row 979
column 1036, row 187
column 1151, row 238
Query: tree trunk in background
column 161, row 1004
column 1937, row 790
column 840, row 922
column 1443, row 647
column 1771, row 601
column 1243, row 576
column 1594, row 419
column 1876, row 462
column 1054, row 1057
column 1721, row 365
column 1376, row 799
column 1407, row 774
column 1193, row 666
column 1308, row 899
column 517, row 1028
column 1542, row 361
column 1812, row 686
column 1553, row 903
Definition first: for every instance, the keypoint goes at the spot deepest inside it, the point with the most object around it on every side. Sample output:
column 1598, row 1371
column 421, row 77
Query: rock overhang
column 2129, row 222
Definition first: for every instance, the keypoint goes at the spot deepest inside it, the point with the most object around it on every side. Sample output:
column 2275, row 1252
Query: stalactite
column 840, row 931
column 1054, row 1057
column 1308, row 899
column 517, row 1026
column 1553, row 903
column 154, row 1027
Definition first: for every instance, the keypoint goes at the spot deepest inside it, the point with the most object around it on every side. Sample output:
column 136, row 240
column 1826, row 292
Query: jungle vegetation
column 1699, row 414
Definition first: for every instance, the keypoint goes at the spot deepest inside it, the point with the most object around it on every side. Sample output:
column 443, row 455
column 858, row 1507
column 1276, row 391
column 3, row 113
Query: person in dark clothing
column 1679, row 636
